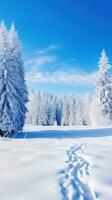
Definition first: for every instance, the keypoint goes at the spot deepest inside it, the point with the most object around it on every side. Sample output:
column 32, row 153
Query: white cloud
column 48, row 68
column 46, row 50
column 61, row 77
column 37, row 63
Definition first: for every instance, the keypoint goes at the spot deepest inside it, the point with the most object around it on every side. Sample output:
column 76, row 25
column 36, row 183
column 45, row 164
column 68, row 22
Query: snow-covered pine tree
column 16, row 64
column 87, row 100
column 43, row 118
column 38, row 103
column 79, row 111
column 65, row 112
column 104, row 90
column 48, row 108
column 72, row 116
column 59, row 110
column 5, row 117
column 32, row 115
column 51, row 113
column 13, row 93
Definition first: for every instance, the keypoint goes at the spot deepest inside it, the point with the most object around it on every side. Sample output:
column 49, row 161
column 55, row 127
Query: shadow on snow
column 65, row 133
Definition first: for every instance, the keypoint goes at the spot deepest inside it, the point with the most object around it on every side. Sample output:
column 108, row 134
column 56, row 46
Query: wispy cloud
column 47, row 50
column 63, row 72
column 61, row 77
column 37, row 63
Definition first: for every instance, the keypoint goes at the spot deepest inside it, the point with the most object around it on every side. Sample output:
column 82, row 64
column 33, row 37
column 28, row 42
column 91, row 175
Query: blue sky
column 62, row 40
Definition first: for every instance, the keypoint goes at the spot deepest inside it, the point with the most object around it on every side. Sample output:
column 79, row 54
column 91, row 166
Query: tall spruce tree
column 104, row 88
column 17, row 68
column 13, row 92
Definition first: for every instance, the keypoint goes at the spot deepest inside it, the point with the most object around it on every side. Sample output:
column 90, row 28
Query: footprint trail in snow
column 74, row 178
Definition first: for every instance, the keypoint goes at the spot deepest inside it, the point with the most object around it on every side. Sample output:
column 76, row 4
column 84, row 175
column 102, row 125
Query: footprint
column 72, row 178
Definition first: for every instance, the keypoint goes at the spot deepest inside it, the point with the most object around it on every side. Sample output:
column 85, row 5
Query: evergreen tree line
column 47, row 109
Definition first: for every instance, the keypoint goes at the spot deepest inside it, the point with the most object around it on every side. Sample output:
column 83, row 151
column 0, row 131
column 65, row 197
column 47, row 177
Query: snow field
column 57, row 169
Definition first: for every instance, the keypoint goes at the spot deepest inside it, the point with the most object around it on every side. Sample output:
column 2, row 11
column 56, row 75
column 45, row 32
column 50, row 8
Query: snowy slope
column 60, row 167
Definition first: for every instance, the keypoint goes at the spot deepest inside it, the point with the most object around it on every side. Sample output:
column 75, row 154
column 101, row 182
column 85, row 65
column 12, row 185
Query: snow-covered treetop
column 104, row 62
column 2, row 27
column 3, row 37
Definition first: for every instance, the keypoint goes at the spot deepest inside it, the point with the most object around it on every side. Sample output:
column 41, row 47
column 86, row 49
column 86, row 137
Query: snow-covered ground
column 56, row 164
